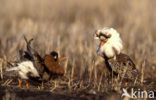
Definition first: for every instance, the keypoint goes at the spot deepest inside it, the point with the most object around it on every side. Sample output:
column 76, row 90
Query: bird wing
column 53, row 66
column 32, row 55
column 13, row 69
column 29, row 49
column 39, row 63
column 26, row 55
column 123, row 66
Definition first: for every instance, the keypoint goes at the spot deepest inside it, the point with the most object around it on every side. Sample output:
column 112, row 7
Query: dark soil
column 78, row 90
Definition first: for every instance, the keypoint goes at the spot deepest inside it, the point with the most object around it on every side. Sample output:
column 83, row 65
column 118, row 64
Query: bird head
column 110, row 42
column 33, row 71
column 55, row 55
column 28, row 67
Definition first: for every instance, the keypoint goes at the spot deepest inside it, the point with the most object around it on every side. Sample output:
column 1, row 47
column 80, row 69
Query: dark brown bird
column 27, row 67
column 52, row 64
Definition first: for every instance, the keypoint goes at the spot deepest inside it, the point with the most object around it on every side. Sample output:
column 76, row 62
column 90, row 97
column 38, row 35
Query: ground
column 65, row 89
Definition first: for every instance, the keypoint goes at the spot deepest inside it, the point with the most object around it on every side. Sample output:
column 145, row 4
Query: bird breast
column 52, row 65
column 111, row 48
column 26, row 67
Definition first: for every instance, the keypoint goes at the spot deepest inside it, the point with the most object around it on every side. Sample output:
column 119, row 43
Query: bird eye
column 55, row 57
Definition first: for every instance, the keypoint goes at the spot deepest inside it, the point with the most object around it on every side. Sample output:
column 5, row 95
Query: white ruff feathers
column 24, row 68
column 114, row 42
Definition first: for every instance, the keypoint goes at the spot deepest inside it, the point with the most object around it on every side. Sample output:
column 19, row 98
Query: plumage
column 29, row 66
column 110, row 49
column 24, row 68
column 110, row 42
column 32, row 55
column 51, row 62
column 122, row 66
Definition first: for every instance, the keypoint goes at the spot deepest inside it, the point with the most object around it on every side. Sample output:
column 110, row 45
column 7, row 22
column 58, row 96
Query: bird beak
column 62, row 59
column 102, row 43
column 99, row 46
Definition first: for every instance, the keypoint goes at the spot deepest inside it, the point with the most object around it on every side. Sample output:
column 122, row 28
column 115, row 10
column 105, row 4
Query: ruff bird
column 25, row 70
column 33, row 56
column 109, row 48
column 52, row 65
column 30, row 66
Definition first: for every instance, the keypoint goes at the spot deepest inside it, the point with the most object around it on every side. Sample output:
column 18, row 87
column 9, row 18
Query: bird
column 25, row 70
column 26, row 67
column 32, row 55
column 110, row 42
column 110, row 48
column 52, row 64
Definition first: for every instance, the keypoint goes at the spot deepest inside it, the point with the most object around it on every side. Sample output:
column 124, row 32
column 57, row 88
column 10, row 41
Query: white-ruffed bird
column 110, row 42
column 28, row 65
column 25, row 70
column 109, row 48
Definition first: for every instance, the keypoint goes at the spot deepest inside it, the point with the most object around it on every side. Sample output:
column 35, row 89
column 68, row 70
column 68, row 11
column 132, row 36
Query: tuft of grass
column 1, row 70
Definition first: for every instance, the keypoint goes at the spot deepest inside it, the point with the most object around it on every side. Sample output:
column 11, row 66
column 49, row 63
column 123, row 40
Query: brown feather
column 122, row 66
column 53, row 66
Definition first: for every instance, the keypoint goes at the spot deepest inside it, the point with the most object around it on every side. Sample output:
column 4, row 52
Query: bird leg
column 19, row 83
column 42, row 85
column 102, row 42
column 27, row 85
column 62, row 58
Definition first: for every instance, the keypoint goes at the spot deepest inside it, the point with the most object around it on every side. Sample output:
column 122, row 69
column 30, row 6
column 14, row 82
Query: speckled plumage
column 110, row 49
column 122, row 66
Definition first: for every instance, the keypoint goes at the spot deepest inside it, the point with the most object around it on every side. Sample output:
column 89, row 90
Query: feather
column 113, row 43
column 12, row 69
column 24, row 68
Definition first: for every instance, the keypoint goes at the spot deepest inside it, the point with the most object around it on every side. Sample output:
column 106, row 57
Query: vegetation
column 67, row 26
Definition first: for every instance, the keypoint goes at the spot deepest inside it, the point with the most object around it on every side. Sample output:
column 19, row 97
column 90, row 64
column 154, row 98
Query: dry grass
column 67, row 26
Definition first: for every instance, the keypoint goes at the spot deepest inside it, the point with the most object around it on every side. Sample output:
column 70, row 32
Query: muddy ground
column 11, row 91
column 59, row 89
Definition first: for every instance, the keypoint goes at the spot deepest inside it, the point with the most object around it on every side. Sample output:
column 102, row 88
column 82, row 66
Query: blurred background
column 67, row 26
